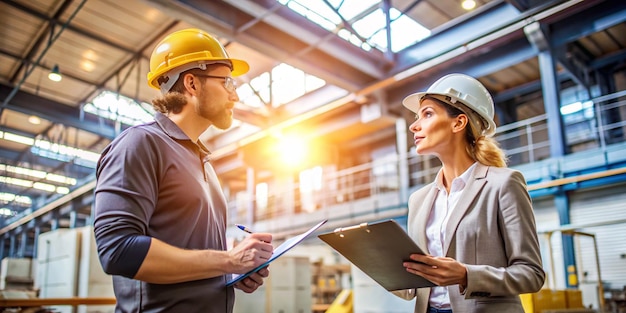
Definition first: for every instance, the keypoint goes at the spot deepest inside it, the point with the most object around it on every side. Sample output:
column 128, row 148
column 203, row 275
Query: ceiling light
column 35, row 120
column 468, row 4
column 55, row 75
column 87, row 65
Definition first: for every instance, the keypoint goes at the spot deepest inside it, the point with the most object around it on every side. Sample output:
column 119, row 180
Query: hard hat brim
column 412, row 101
column 240, row 67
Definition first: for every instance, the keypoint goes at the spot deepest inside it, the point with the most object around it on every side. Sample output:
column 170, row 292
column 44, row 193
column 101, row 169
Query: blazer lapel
column 470, row 192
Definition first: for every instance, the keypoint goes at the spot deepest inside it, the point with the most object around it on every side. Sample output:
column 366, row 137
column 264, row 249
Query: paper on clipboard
column 378, row 249
column 280, row 250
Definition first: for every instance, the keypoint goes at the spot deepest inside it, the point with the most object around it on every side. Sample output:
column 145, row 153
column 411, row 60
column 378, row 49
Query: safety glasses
column 229, row 83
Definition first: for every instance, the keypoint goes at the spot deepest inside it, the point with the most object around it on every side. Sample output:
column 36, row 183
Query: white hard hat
column 460, row 88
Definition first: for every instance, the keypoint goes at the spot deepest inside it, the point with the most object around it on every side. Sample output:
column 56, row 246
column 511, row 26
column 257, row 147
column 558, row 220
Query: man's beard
column 223, row 120
column 220, row 117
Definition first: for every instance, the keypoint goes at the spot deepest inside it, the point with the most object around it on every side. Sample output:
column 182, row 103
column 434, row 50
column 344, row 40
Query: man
column 160, row 214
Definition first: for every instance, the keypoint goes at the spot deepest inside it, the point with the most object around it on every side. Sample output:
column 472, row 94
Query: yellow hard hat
column 186, row 49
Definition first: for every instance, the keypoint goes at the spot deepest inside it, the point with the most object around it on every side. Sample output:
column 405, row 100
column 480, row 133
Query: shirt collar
column 462, row 179
column 171, row 129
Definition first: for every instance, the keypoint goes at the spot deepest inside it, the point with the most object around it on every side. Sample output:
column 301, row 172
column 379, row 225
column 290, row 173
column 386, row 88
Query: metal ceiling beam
column 9, row 154
column 594, row 19
column 135, row 57
column 525, row 5
column 498, row 26
column 48, row 208
column 577, row 69
column 538, row 38
column 481, row 65
column 613, row 58
column 136, row 54
column 524, row 89
column 521, row 5
column 45, row 37
column 283, row 35
column 53, row 37
column 294, row 24
column 29, row 62
column 55, row 20
column 56, row 112
column 482, row 24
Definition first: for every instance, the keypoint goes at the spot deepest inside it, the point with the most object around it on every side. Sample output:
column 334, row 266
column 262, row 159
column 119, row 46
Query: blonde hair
column 486, row 150
column 483, row 149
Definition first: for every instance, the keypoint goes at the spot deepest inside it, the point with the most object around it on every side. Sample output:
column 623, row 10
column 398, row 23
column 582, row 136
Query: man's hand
column 252, row 252
column 252, row 282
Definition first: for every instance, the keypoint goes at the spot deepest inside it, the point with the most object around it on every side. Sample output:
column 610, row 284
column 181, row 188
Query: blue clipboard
column 280, row 250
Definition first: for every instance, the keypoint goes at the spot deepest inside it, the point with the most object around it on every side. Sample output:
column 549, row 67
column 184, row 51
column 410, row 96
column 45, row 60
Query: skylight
column 366, row 18
column 116, row 107
column 283, row 84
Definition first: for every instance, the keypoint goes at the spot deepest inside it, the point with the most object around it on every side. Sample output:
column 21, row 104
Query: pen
column 244, row 228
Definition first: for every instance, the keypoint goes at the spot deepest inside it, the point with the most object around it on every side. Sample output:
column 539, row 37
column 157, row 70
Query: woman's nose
column 414, row 126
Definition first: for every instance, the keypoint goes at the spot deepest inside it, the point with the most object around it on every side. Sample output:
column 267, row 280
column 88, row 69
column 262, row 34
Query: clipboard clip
column 339, row 231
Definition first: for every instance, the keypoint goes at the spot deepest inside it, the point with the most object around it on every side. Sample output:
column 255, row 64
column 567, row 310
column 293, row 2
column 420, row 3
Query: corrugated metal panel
column 547, row 219
column 606, row 206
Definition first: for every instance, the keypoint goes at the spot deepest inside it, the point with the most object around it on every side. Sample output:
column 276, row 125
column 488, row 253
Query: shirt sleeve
column 125, row 197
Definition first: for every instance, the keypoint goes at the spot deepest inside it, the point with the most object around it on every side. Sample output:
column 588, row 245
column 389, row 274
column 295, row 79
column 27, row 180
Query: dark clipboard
column 280, row 250
column 378, row 249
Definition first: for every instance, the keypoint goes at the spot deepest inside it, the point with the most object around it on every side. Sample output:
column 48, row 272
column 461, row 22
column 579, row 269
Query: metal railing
column 524, row 142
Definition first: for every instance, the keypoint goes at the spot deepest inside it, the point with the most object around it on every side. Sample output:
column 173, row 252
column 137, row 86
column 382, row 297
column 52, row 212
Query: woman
column 476, row 219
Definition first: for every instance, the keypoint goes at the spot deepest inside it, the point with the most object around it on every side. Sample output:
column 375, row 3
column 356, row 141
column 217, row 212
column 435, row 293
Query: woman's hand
column 443, row 271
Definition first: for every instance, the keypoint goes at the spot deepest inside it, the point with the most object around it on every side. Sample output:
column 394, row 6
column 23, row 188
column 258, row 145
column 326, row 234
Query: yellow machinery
column 553, row 300
column 343, row 303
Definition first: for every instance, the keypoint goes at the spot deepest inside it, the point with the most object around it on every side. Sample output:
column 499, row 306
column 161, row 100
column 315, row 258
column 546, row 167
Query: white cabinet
column 286, row 290
column 16, row 273
column 370, row 297
column 68, row 266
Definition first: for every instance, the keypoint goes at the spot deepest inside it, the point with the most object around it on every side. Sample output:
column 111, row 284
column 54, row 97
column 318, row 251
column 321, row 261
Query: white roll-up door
column 604, row 209
column 547, row 219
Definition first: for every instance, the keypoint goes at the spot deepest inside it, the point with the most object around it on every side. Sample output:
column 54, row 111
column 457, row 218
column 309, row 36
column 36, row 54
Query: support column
column 73, row 218
column 2, row 244
column 552, row 103
column 539, row 37
column 36, row 241
column 12, row 248
column 250, row 191
column 562, row 203
column 54, row 220
column 403, row 162
column 23, row 242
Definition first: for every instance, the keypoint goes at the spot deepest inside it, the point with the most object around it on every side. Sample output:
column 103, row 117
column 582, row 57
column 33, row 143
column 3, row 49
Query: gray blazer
column 492, row 231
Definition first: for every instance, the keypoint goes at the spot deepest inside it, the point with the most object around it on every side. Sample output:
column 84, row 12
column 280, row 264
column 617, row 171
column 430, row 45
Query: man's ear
column 189, row 82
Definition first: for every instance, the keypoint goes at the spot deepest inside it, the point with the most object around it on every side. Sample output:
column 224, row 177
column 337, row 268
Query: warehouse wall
column 604, row 209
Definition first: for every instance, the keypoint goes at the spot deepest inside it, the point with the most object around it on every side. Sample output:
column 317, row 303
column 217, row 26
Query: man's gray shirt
column 153, row 181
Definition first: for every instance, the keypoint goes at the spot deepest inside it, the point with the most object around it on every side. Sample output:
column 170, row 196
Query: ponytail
column 487, row 151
